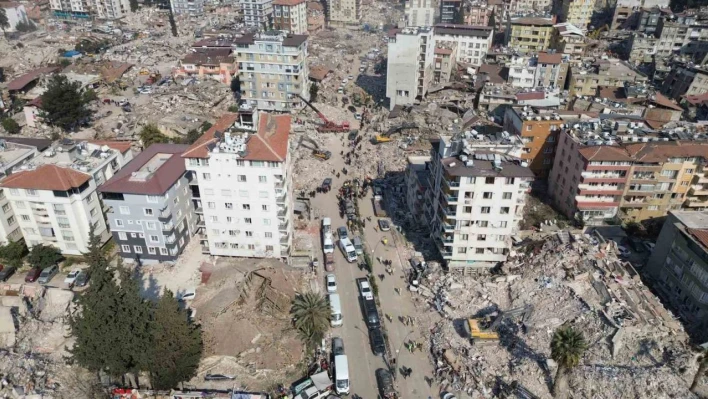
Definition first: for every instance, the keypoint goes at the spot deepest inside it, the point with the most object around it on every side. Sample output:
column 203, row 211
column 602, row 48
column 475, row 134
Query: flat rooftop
column 692, row 219
column 82, row 156
column 11, row 153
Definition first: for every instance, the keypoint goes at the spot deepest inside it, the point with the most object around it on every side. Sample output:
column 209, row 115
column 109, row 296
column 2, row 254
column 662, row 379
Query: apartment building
column 343, row 12
column 685, row 80
column 192, row 8
column 529, row 6
column 584, row 80
column 474, row 203
column 420, row 13
column 16, row 14
column 290, row 16
column 242, row 186
column 410, row 65
column 212, row 63
column 681, row 38
column 473, row 42
column 568, row 39
column 522, row 72
column 150, row 210
column 478, row 14
column 257, row 13
column 111, row 9
column 417, row 183
column 273, row 70
column 679, row 268
column 551, row 69
column 576, row 12
column 529, row 35
column 641, row 48
column 54, row 196
column 697, row 195
column 444, row 63
column 65, row 9
column 451, row 11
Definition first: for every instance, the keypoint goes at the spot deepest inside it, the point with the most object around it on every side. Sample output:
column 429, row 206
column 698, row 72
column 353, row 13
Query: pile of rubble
column 636, row 348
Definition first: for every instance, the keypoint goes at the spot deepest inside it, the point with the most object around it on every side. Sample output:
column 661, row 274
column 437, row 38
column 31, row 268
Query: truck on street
column 328, row 244
column 378, row 206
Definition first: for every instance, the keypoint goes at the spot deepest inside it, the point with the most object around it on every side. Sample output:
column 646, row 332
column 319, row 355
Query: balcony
column 281, row 197
column 284, row 239
column 282, row 212
column 697, row 189
column 450, row 199
column 283, row 226
column 451, row 184
column 167, row 226
column 448, row 227
column 205, row 249
column 170, row 240
column 199, row 210
column 201, row 223
column 447, row 240
column 698, row 202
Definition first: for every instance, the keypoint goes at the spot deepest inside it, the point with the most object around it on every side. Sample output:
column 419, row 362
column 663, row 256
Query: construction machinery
column 386, row 137
column 486, row 329
column 328, row 125
column 316, row 151
column 596, row 33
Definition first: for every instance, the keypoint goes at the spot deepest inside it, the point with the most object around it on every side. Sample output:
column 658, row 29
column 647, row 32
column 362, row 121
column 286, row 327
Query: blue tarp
column 72, row 53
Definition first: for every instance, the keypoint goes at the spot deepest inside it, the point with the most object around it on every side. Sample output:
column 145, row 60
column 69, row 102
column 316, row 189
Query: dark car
column 218, row 377
column 6, row 272
column 384, row 380
column 337, row 346
column 33, row 275
column 327, row 184
column 342, row 232
column 351, row 108
column 376, row 338
column 48, row 274
column 82, row 279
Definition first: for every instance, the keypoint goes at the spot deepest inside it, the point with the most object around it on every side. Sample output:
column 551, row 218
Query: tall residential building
column 474, row 202
column 54, row 196
column 473, row 42
column 576, row 12
column 193, row 8
column 215, row 63
column 111, row 9
column 15, row 14
column 451, row 11
column 290, row 16
column 529, row 6
column 682, row 37
column 529, row 35
column 410, row 65
column 568, row 39
column 420, row 13
column 551, row 69
column 478, row 14
column 522, row 72
column 603, row 73
column 71, row 9
column 687, row 80
column 273, row 70
column 150, row 210
column 242, row 186
column 444, row 63
column 257, row 13
column 343, row 12
column 679, row 268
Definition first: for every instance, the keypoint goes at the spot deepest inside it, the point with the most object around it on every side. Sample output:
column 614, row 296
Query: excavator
column 485, row 329
column 316, row 151
column 386, row 137
column 328, row 125
column 596, row 33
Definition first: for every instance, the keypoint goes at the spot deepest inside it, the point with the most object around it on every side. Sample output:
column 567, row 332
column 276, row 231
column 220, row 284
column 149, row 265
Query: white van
column 335, row 305
column 347, row 249
column 341, row 374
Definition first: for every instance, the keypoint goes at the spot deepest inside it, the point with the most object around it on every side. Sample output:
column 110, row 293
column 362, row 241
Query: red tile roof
column 700, row 234
column 319, row 72
column 161, row 179
column 271, row 141
column 46, row 177
column 122, row 146
column 24, row 80
column 443, row 51
column 199, row 148
column 604, row 153
column 662, row 100
column 660, row 152
column 546, row 58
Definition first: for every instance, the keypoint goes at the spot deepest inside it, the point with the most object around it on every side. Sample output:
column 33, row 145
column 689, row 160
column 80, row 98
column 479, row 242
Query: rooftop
column 11, row 154
column 486, row 164
column 533, row 21
column 208, row 56
column 152, row 172
column 568, row 29
column 411, row 30
column 653, row 152
column 288, row 2
column 463, row 30
column 24, row 80
column 692, row 219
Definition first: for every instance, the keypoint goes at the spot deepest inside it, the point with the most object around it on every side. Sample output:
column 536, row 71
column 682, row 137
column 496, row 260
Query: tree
column 90, row 95
column 26, row 26
column 150, row 135
column 314, row 89
column 10, row 125
column 192, row 136
column 134, row 5
column 702, row 368
column 634, row 228
column 236, row 85
column 63, row 105
column 233, row 108
column 206, row 125
column 4, row 22
column 43, row 256
column 567, row 348
column 13, row 252
column 176, row 346
column 311, row 314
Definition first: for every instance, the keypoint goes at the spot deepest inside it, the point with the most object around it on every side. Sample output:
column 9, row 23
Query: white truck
column 328, row 244
column 348, row 249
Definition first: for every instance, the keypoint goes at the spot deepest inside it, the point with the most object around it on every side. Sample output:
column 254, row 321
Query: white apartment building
column 71, row 8
column 15, row 14
column 243, row 197
column 111, row 9
column 343, row 12
column 273, row 70
column 257, row 13
column 522, row 72
column 193, row 8
column 54, row 195
column 474, row 203
column 290, row 16
column 420, row 12
column 410, row 65
column 473, row 42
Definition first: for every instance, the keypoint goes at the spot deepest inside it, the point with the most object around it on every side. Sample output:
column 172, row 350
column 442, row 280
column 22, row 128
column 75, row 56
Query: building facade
column 213, row 63
column 241, row 173
column 568, row 39
column 539, row 132
column 530, row 6
column 529, row 35
column 472, row 42
column 474, row 203
column 150, row 210
column 682, row 38
column 273, row 70
column 112, row 9
column 343, row 12
column 478, row 14
column 685, row 80
column 410, row 65
column 603, row 73
column 576, row 12
column 290, row 16
column 451, row 11
column 444, row 63
column 79, row 9
column 192, row 8
column 522, row 72
column 551, row 69
column 16, row 14
column 419, row 13
column 257, row 13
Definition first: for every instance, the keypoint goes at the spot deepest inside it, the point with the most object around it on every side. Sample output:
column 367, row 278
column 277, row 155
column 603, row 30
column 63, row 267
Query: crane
column 328, row 125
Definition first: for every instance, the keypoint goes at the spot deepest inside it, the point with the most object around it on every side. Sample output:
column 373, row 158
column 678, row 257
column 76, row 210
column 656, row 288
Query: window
column 247, row 220
column 214, row 218
column 152, row 250
column 21, row 205
column 269, row 235
column 147, row 211
column 11, row 220
column 125, row 248
column 153, row 199
column 461, row 250
column 653, row 207
column 509, row 180
column 31, row 193
column 505, row 210
column 487, row 195
column 211, row 205
column 684, row 183
column 488, row 180
column 234, row 245
column 262, row 179
column 154, row 238
column 138, row 249
column 503, row 224
column 151, row 226
column 482, row 223
column 266, row 222
column 206, row 176
column 249, row 234
column 481, row 237
column 163, row 251
column 479, row 251
column 264, row 208
column 124, row 210
column 14, row 191
column 689, row 171
column 467, row 209
column 215, row 232
column 241, row 178
column 119, row 223
column 122, row 236
column 269, row 248
column 486, row 209
column 263, row 194
column 229, row 205
column 25, row 218
column 246, row 207
column 30, row 231
column 506, row 196
column 93, row 212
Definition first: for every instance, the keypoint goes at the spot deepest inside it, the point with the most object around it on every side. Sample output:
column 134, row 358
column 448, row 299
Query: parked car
column 71, row 277
column 6, row 272
column 337, row 346
column 188, row 295
column 327, row 184
column 351, row 109
column 82, row 279
column 357, row 116
column 342, row 232
column 623, row 251
column 32, row 275
column 331, row 284
column 649, row 245
column 384, row 225
column 376, row 338
column 48, row 274
column 384, row 380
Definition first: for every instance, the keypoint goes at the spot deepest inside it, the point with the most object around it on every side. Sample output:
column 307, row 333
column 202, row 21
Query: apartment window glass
column 31, row 193
column 152, row 250
column 506, row 196
column 268, row 235
column 266, row 222
column 119, row 223
column 261, row 179
column 206, row 176
column 138, row 249
column 247, row 220
column 479, row 251
column 249, row 234
column 122, row 236
column 124, row 210
column 214, row 218
column 487, row 195
column 509, row 180
column 163, row 251
column 246, row 207
column 467, row 209
column 151, row 225
column 153, row 199
column 264, row 208
column 125, row 248
column 14, row 191
column 154, row 238
column 229, row 205
column 21, row 205
column 211, row 205
column 481, row 237
column 25, row 218
column 486, row 209
column 503, row 224
column 505, row 210
column 462, row 250
column 488, row 180
column 241, row 178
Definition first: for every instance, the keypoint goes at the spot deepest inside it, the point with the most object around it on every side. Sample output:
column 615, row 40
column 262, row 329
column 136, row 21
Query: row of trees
column 15, row 253
column 118, row 332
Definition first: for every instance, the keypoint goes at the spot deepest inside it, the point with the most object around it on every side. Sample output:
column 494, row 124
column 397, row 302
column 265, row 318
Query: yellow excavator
column 596, row 33
column 484, row 329
column 316, row 151
column 386, row 137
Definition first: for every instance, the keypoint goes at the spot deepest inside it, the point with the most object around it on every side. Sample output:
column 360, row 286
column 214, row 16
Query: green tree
column 702, row 368
column 134, row 5
column 314, row 89
column 235, row 85
column 206, row 125
column 150, row 135
column 10, row 125
column 567, row 348
column 176, row 347
column 63, row 105
column 4, row 22
column 311, row 314
column 27, row 26
column 233, row 108
column 90, row 95
column 43, row 256
column 13, row 252
column 135, row 336
column 192, row 136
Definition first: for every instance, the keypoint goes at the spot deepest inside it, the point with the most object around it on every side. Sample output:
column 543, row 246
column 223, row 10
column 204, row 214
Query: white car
column 351, row 77
column 344, row 81
column 357, row 116
column 71, row 277
column 331, row 284
column 187, row 295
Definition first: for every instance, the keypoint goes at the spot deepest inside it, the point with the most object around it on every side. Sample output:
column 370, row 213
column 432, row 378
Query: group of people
column 406, row 371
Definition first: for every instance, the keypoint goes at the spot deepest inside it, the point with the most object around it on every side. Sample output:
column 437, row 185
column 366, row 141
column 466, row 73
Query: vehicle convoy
column 328, row 244
column 327, row 125
column 378, row 206
column 368, row 303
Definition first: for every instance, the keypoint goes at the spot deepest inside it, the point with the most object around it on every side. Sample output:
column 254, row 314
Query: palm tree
column 311, row 314
column 702, row 367
column 567, row 348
